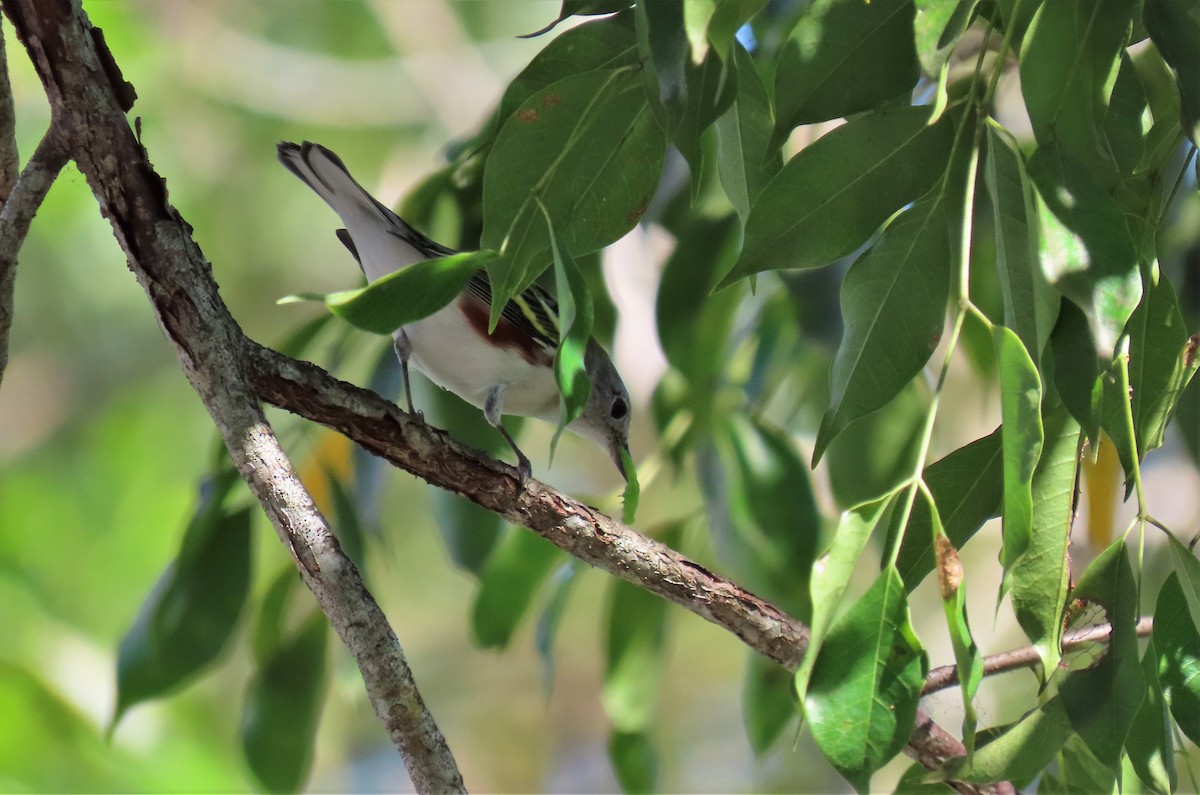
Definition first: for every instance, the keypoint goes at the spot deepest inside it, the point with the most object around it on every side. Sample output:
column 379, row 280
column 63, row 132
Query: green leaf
column 1015, row 16
column 844, row 57
column 876, row 454
column 746, row 161
column 938, row 26
column 1076, row 367
column 1150, row 746
column 832, row 573
column 1188, row 568
column 634, row 761
column 1019, row 753
column 770, row 481
column 1174, row 27
column 408, row 294
column 894, row 306
column 187, row 620
column 1125, row 121
column 469, row 532
column 349, row 527
column 575, row 318
column 582, row 8
column 283, row 708
column 768, row 702
column 634, row 658
column 272, row 613
column 1081, row 771
column 590, row 150
column 1103, row 700
column 1038, row 579
column 510, row 578
column 1030, row 305
column 1159, row 369
column 633, row 490
column 833, row 195
column 967, row 485
column 1177, row 642
column 606, row 43
column 727, row 19
column 1021, row 430
column 862, row 699
column 563, row 582
column 668, row 44
column 1069, row 61
column 1104, row 282
column 711, row 90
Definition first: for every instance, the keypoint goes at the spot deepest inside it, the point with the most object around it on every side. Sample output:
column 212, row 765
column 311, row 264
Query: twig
column 10, row 161
column 20, row 205
column 89, row 98
column 1026, row 657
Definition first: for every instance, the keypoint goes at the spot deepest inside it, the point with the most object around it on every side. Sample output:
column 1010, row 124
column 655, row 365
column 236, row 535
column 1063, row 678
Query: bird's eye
column 619, row 409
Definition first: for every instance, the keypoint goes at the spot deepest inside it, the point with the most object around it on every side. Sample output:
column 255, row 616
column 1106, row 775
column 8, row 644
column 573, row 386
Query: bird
column 508, row 371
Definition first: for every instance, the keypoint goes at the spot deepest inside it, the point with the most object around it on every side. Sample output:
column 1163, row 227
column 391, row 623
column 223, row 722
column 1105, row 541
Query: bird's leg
column 491, row 411
column 403, row 351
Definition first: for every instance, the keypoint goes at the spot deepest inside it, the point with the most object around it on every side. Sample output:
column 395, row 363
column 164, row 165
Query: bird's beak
column 615, row 448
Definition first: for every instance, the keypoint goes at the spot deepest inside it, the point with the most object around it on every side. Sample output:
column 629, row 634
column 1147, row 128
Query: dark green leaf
column 1103, row 700
column 1177, row 642
column 1124, row 121
column 1030, row 305
column 582, row 8
column 744, row 137
column 1015, row 16
column 1038, row 579
column 408, row 294
column 1081, row 771
column 1187, row 567
column 589, row 149
column 350, row 531
column 1174, row 26
column 272, row 614
column 599, row 44
column 1070, row 54
column 1019, row 753
column 1187, row 419
column 510, row 578
column 831, row 575
column 967, row 485
column 297, row 343
column 634, row 761
column 894, row 305
column 876, row 454
column 1076, row 366
column 768, row 702
column 186, row 621
column 938, row 26
column 575, row 319
column 711, row 90
column 727, row 19
column 843, row 57
column 669, row 49
column 833, row 195
column 634, row 658
column 283, row 707
column 862, row 699
column 1150, row 746
column 547, row 625
column 1021, row 430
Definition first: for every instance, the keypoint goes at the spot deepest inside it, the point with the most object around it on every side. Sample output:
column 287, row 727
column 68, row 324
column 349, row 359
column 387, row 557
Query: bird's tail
column 380, row 239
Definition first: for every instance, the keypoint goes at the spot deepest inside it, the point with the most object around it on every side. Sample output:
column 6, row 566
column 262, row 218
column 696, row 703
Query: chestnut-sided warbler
column 509, row 371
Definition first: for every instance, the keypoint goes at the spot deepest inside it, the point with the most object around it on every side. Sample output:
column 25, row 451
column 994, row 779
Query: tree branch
column 229, row 372
column 89, row 98
column 1027, row 657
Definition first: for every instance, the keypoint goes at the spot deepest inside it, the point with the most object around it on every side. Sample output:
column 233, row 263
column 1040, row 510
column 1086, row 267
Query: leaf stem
column 962, row 305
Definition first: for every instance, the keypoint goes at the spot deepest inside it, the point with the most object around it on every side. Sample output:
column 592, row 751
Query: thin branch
column 1027, row 657
column 20, row 205
column 89, row 97
column 10, row 160
column 228, row 372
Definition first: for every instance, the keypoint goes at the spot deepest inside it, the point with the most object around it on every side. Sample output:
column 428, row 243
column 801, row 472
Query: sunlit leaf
column 938, row 26
column 744, row 137
column 283, row 707
column 727, row 19
column 581, row 8
column 1038, row 579
column 1150, row 745
column 1021, row 430
column 1174, row 26
column 1177, row 642
column 1019, row 753
column 1080, row 770
column 862, row 699
column 832, row 196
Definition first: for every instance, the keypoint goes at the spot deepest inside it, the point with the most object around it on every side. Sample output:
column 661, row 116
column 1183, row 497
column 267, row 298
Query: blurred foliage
column 1023, row 170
